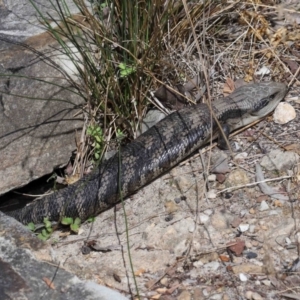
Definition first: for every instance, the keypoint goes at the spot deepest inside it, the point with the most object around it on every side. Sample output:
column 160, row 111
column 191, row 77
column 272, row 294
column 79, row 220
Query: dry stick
column 254, row 183
column 273, row 140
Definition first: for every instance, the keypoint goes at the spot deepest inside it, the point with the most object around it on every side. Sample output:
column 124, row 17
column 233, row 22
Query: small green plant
column 96, row 133
column 45, row 233
column 74, row 224
column 120, row 135
column 91, row 219
column 126, row 70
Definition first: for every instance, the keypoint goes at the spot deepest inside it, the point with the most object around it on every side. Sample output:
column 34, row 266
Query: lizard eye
column 262, row 103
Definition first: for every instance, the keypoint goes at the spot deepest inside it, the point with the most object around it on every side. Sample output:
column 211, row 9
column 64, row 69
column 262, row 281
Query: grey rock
column 24, row 276
column 19, row 19
column 263, row 206
column 220, row 220
column 38, row 126
column 152, row 117
column 279, row 160
column 211, row 266
column 38, row 105
column 265, row 188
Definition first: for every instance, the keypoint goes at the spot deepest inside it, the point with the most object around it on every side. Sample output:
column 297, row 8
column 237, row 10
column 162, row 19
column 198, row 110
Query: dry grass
column 125, row 51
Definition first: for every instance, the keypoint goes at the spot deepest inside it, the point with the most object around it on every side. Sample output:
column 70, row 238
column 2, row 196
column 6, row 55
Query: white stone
column 263, row 206
column 256, row 296
column 248, row 295
column 284, row 113
column 243, row 277
column 212, row 177
column 266, row 282
column 252, row 228
column 208, row 212
column 243, row 227
column 241, row 155
column 288, row 241
column 212, row 266
column 211, row 194
column 203, row 218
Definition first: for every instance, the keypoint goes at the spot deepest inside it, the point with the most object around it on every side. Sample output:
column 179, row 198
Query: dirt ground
column 189, row 242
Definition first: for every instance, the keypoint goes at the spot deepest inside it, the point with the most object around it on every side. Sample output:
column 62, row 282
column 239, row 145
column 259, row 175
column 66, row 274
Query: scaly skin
column 153, row 153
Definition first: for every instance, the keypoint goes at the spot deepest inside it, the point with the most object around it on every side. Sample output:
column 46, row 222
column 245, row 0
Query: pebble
column 211, row 266
column 266, row 282
column 279, row 160
column 243, row 213
column 288, row 241
column 212, row 177
column 164, row 281
column 237, row 246
column 192, row 228
column 177, row 200
column 226, row 297
column 219, row 221
column 184, row 295
column 151, row 118
column 256, row 296
column 198, row 293
column 248, row 244
column 208, row 212
column 252, row 228
column 182, row 183
column 243, row 277
column 248, row 295
column 212, row 194
column 284, row 113
column 236, row 222
column 241, row 156
column 243, row 227
column 205, row 293
column 252, row 211
column 198, row 264
column 220, row 178
column 171, row 207
column 216, row 297
column 263, row 206
column 237, row 177
column 220, row 163
column 251, row 255
column 203, row 218
column 247, row 268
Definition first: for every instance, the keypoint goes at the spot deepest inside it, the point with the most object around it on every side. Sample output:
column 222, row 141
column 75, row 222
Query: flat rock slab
column 37, row 111
column 38, row 108
column 28, row 271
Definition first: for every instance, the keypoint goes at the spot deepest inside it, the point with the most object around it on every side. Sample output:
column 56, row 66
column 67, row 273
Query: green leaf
column 47, row 223
column 91, row 219
column 44, row 232
column 42, row 237
column 97, row 155
column 31, row 226
column 77, row 221
column 74, row 228
column 122, row 66
column 67, row 221
column 98, row 139
column 49, row 230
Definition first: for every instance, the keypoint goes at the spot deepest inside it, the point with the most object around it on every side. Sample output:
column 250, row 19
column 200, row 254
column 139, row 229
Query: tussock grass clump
column 122, row 50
